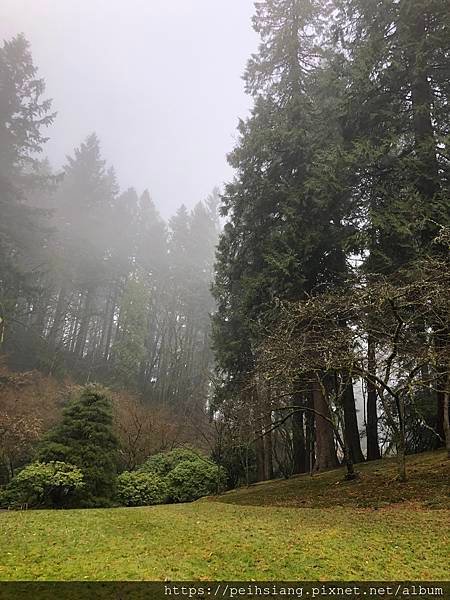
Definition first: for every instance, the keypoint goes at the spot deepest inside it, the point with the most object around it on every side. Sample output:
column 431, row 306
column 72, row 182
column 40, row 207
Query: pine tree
column 128, row 351
column 85, row 202
column 85, row 438
column 23, row 116
column 396, row 125
column 286, row 235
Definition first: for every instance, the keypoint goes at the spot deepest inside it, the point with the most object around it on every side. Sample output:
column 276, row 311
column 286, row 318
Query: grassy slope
column 428, row 485
column 213, row 540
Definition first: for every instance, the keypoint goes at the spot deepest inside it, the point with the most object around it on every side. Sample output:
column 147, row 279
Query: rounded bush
column 190, row 480
column 54, row 484
column 135, row 488
column 162, row 463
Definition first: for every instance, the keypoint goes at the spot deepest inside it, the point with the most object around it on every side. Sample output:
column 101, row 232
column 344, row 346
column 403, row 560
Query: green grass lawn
column 219, row 541
column 237, row 540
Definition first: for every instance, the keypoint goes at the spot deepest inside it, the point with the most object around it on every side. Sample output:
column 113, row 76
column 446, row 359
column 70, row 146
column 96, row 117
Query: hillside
column 428, row 486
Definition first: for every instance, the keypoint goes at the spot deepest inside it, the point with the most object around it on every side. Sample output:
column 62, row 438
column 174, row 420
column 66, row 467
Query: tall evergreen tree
column 286, row 236
column 397, row 132
column 23, row 116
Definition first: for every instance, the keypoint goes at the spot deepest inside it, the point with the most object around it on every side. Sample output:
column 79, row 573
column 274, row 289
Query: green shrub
column 85, row 438
column 161, row 464
column 53, row 485
column 190, row 480
column 188, row 475
column 135, row 488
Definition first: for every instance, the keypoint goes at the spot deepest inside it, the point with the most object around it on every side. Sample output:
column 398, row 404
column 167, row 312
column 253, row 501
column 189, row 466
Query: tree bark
column 325, row 449
column 401, row 439
column 441, row 388
column 351, row 424
column 446, row 418
column 298, row 437
column 260, row 454
column 310, row 434
column 373, row 449
column 84, row 324
column 260, row 457
column 401, row 462
column 268, row 449
column 60, row 312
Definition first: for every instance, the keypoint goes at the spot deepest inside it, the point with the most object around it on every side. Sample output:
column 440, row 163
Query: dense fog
column 159, row 82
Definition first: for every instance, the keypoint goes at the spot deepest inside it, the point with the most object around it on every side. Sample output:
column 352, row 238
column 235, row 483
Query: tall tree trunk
column 268, row 449
column 310, row 433
column 440, row 410
column 348, row 460
column 447, row 418
column 427, row 181
column 298, row 437
column 40, row 310
column 259, row 437
column 447, row 421
column 260, row 457
column 268, row 439
column 415, row 44
column 60, row 313
column 442, row 384
column 84, row 324
column 325, row 449
column 401, row 443
column 351, row 424
column 108, row 322
column 373, row 449
column 446, row 411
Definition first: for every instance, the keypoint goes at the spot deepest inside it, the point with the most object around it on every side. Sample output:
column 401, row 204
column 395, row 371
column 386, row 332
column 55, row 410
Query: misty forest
column 280, row 349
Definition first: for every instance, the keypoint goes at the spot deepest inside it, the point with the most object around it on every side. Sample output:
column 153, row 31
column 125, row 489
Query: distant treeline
column 93, row 283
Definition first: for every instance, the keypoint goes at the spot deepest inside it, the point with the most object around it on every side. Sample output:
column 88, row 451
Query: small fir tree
column 85, row 438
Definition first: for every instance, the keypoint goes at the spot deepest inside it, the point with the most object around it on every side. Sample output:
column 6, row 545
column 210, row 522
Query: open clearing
column 227, row 540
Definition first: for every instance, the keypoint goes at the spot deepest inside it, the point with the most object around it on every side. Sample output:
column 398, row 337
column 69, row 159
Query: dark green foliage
column 44, row 485
column 187, row 474
column 288, row 230
column 23, row 112
column 23, row 116
column 85, row 438
column 135, row 488
column 397, row 87
column 342, row 158
column 190, row 480
column 162, row 463
column 239, row 463
column 129, row 350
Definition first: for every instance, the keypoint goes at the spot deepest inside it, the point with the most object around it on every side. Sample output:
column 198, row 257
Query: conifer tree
column 85, row 438
column 286, row 235
column 396, row 125
column 24, row 114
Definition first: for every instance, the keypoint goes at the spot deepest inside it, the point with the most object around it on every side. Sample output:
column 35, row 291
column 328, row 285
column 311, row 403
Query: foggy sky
column 159, row 81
